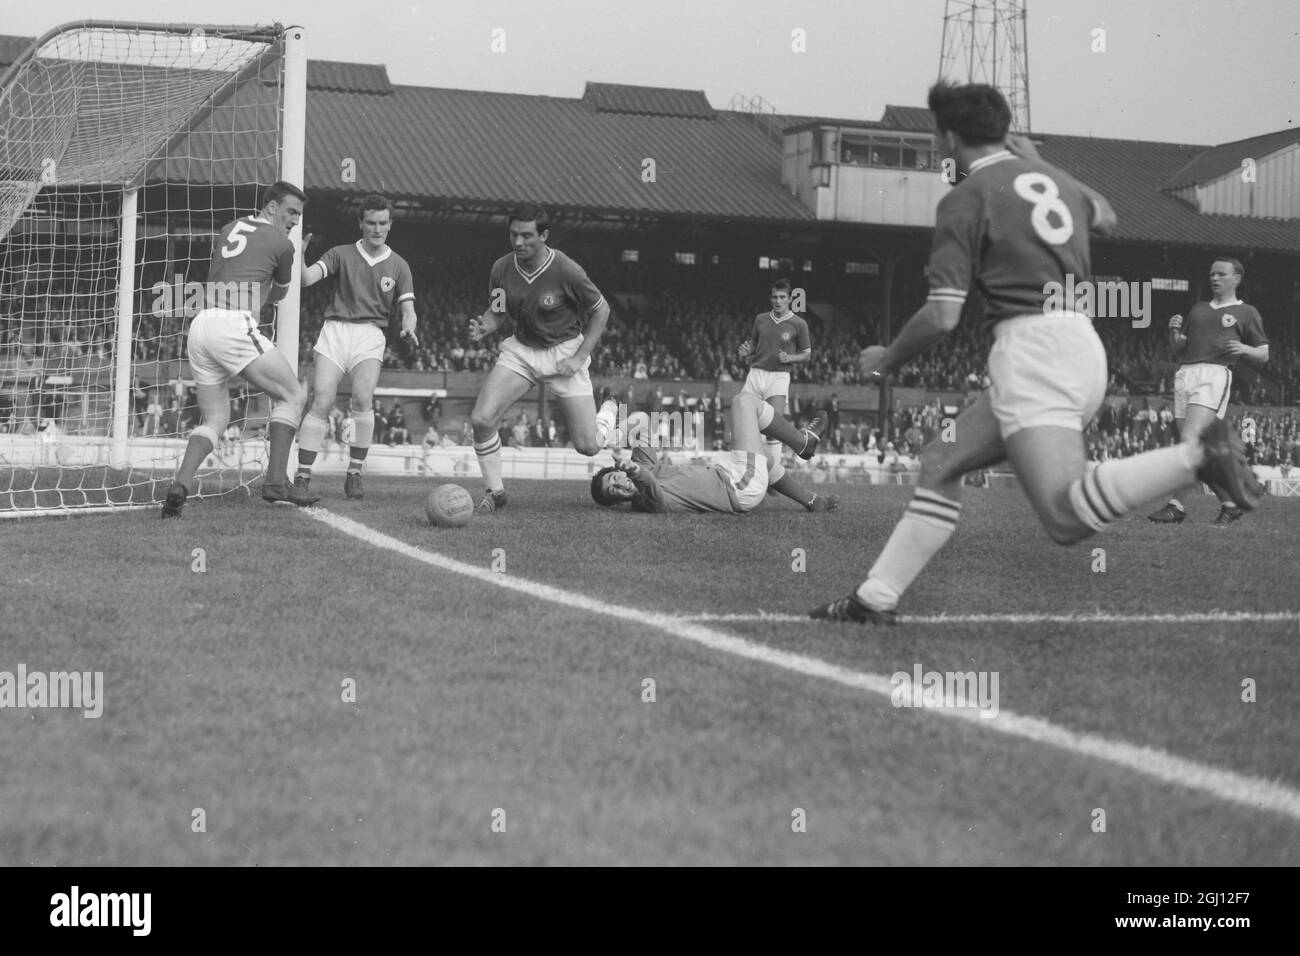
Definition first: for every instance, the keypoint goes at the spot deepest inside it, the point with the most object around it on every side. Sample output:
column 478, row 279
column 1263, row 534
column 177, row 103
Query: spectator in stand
column 397, row 431
column 381, row 423
column 519, row 433
column 153, row 415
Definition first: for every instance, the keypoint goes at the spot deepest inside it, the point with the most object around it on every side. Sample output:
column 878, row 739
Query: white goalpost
column 124, row 148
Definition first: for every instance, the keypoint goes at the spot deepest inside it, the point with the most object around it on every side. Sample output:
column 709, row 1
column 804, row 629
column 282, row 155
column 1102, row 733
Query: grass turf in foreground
column 224, row 691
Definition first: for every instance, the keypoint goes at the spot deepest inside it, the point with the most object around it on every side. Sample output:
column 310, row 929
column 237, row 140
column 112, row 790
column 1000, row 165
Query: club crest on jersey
column 548, row 300
column 386, row 284
column 785, row 336
column 1228, row 320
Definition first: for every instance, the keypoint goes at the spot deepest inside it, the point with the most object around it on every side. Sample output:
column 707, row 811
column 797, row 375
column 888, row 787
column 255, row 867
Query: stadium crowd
column 668, row 324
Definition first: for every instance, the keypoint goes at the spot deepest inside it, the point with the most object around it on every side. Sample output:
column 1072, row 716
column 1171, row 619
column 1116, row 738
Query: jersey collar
column 989, row 160
column 1225, row 305
column 531, row 277
column 788, row 315
column 373, row 260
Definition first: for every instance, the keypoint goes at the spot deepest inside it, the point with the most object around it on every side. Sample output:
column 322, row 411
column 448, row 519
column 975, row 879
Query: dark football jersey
column 368, row 288
column 1012, row 227
column 251, row 253
column 772, row 335
column 549, row 305
column 1210, row 328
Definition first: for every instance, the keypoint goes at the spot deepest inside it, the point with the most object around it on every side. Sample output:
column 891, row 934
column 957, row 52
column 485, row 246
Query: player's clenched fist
column 745, row 348
column 872, row 361
column 1175, row 321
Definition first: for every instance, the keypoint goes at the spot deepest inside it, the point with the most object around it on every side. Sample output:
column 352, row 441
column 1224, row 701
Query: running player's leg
column 1192, row 418
column 214, row 414
column 365, row 376
column 500, row 391
column 1073, row 503
column 932, row 514
column 316, row 424
column 270, row 373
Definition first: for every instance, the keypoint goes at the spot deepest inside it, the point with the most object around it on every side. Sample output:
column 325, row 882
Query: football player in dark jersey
column 1016, row 227
column 559, row 316
column 252, row 262
column 1208, row 344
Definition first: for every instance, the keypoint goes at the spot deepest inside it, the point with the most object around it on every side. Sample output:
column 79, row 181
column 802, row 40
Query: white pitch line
column 1208, row 617
column 1253, row 792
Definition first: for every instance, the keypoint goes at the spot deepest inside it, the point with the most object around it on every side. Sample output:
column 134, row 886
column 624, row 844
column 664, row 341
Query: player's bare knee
column 481, row 421
column 585, row 445
column 361, row 402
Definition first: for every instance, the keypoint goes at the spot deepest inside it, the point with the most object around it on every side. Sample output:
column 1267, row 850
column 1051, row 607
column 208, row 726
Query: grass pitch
column 493, row 726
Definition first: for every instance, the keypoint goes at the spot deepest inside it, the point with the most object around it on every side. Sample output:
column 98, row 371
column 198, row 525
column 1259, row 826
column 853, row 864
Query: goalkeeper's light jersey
column 690, row 487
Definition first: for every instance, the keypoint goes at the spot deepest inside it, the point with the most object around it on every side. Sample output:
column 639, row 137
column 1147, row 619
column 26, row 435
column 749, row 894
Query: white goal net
column 124, row 148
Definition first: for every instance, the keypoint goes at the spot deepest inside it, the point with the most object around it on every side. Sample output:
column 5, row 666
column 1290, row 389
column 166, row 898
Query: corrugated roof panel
column 1214, row 162
column 648, row 100
column 494, row 147
column 1130, row 174
column 913, row 119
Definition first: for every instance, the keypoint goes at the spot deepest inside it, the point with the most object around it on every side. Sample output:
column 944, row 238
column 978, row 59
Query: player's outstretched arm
column 1104, row 219
column 312, row 274
column 932, row 322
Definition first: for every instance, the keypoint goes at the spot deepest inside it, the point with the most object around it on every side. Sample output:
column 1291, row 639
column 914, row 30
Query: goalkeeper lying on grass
column 734, row 486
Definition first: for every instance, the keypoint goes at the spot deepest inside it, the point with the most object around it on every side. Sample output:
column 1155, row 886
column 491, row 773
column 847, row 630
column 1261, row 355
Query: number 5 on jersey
column 236, row 242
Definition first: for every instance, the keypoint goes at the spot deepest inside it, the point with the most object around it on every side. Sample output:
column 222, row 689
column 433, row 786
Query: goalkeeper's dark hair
column 374, row 203
column 598, row 494
column 976, row 112
column 278, row 190
column 531, row 212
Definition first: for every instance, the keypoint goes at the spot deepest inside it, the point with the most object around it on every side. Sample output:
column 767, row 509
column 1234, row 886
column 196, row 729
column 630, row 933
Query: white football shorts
column 540, row 365
column 1202, row 383
column 1046, row 370
column 767, row 384
column 348, row 344
column 222, row 343
column 748, row 473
